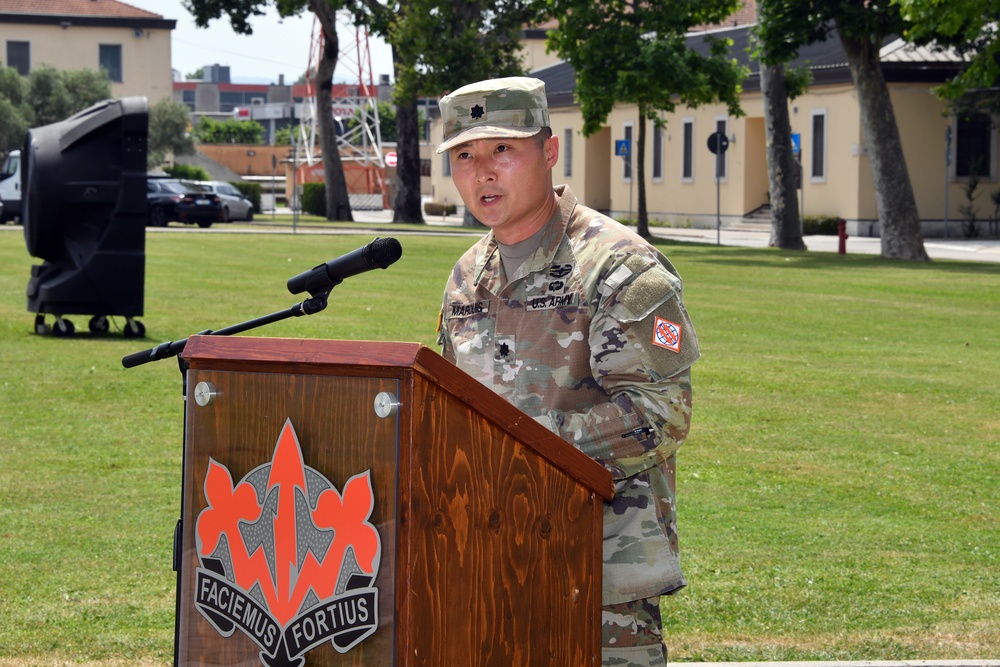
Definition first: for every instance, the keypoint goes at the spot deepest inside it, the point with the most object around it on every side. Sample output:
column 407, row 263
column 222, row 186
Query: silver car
column 235, row 205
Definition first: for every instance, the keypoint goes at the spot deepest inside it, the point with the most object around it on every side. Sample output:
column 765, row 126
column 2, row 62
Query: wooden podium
column 368, row 503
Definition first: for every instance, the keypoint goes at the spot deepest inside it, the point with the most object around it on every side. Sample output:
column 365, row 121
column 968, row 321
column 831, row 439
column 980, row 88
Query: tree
column 782, row 168
column 15, row 113
column 861, row 26
column 437, row 46
column 777, row 86
column 57, row 94
column 229, row 131
column 635, row 52
column 168, row 131
column 46, row 96
column 969, row 27
column 240, row 12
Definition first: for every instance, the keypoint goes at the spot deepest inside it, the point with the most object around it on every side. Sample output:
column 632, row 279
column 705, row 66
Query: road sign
column 796, row 143
column 623, row 147
column 391, row 159
column 718, row 142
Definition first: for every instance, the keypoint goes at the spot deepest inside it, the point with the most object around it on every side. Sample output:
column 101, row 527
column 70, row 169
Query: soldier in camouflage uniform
column 580, row 323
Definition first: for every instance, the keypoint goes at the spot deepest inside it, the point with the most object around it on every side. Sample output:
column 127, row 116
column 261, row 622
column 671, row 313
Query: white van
column 10, row 187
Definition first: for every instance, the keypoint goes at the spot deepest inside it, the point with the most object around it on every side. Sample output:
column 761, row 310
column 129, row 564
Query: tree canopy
column 230, row 131
column 45, row 96
column 970, row 28
column 168, row 131
column 636, row 53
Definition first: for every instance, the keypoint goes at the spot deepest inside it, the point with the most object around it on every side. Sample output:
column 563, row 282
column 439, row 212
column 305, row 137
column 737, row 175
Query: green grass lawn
column 838, row 493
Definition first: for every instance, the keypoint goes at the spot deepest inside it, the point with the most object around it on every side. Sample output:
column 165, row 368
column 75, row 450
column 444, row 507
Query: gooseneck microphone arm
column 318, row 281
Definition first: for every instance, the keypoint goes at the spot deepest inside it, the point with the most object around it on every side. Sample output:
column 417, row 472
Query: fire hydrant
column 841, row 236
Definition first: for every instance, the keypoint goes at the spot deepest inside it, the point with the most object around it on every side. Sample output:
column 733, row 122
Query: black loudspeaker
column 83, row 184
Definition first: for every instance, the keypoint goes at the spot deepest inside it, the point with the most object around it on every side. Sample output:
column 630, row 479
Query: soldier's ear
column 551, row 148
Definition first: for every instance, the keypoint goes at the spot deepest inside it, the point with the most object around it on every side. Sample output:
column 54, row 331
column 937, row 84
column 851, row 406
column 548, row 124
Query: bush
column 819, row 225
column 251, row 191
column 314, row 198
column 188, row 172
column 434, row 208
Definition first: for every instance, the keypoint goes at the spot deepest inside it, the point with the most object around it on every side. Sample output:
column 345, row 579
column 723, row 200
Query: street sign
column 623, row 147
column 391, row 159
column 796, row 143
column 718, row 142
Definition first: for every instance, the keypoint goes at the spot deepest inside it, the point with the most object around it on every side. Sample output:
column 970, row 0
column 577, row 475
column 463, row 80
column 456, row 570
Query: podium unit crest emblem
column 286, row 558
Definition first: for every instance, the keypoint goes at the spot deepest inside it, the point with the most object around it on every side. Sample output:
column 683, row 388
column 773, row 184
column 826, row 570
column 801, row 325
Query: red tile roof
column 96, row 8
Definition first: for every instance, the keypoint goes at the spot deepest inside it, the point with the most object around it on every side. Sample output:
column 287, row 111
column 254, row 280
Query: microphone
column 378, row 254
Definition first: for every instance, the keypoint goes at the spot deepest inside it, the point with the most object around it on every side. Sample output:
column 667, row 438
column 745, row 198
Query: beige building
column 680, row 171
column 131, row 44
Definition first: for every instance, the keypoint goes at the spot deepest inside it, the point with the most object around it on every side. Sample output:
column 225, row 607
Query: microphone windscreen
column 383, row 251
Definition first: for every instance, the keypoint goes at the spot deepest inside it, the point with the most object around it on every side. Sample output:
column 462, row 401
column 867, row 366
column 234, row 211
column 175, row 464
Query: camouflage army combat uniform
column 591, row 338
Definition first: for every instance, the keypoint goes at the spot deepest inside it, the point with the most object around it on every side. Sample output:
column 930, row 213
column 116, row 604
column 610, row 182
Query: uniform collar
column 488, row 260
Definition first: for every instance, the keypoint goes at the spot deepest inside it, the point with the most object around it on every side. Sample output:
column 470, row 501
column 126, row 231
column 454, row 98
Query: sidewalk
column 757, row 236
column 742, row 235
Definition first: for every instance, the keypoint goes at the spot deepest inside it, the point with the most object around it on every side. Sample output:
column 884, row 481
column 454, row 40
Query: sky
column 277, row 46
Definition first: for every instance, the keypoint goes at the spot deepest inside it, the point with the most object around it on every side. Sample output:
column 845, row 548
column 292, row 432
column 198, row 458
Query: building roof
column 81, row 12
column 825, row 61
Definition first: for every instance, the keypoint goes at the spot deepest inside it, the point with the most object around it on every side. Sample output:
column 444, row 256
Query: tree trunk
column 642, row 223
column 897, row 208
column 469, row 220
column 406, row 206
column 338, row 204
column 786, row 229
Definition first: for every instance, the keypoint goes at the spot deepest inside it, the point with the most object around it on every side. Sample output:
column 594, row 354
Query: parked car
column 235, row 205
column 182, row 201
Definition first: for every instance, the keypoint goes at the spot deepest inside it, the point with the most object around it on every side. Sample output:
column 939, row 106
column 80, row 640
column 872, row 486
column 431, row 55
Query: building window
column 111, row 61
column 230, row 100
column 817, row 164
column 721, row 125
column 627, row 161
column 446, row 163
column 425, row 167
column 19, row 57
column 657, row 152
column 687, row 150
column 974, row 146
column 568, row 153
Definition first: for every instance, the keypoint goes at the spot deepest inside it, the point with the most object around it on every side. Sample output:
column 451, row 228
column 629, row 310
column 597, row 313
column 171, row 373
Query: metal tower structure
column 355, row 109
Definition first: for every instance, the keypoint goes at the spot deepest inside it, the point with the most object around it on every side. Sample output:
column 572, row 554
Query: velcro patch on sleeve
column 667, row 334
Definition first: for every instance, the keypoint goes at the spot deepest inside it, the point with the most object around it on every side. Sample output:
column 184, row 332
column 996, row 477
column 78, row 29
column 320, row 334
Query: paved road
column 756, row 236
column 977, row 250
column 750, row 236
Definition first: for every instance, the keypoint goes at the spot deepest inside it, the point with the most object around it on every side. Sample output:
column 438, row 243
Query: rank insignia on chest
column 504, row 350
column 667, row 334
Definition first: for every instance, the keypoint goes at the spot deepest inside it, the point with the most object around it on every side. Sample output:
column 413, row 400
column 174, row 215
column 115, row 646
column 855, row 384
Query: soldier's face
column 507, row 183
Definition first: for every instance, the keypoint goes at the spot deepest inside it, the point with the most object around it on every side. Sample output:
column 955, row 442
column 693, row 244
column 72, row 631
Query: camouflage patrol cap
column 509, row 108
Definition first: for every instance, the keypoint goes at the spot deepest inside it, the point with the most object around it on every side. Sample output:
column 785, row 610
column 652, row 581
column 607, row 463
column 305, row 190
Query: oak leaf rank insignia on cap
column 508, row 108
